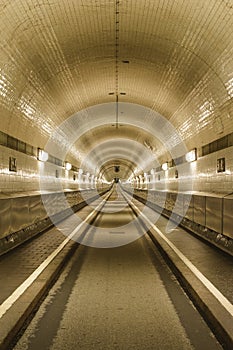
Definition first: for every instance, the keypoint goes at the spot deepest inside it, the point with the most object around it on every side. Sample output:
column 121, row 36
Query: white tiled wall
column 27, row 177
column 200, row 175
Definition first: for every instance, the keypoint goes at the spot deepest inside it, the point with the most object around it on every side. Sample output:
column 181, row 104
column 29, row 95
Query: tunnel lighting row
column 43, row 157
column 190, row 157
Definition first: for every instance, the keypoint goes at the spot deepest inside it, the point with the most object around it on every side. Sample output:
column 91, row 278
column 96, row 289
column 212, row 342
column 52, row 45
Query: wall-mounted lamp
column 191, row 156
column 68, row 166
column 165, row 166
column 42, row 155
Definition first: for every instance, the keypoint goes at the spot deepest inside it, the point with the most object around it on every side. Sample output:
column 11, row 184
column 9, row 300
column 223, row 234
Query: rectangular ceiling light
column 68, row 166
column 42, row 155
column 191, row 156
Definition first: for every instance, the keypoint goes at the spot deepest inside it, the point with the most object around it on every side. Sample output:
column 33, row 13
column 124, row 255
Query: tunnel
column 120, row 100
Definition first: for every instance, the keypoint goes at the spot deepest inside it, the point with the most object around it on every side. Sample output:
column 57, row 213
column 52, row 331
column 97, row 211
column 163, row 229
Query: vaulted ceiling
column 64, row 64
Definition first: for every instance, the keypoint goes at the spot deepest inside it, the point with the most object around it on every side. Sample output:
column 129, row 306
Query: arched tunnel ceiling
column 58, row 57
column 102, row 133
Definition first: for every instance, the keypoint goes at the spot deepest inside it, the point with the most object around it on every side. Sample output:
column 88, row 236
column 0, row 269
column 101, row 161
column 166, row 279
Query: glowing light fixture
column 165, row 166
column 68, row 166
column 42, row 155
column 191, row 156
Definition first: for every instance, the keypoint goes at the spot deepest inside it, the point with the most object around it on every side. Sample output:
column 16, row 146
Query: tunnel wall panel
column 188, row 206
column 35, row 209
column 208, row 215
column 5, row 217
column 228, row 217
column 20, row 217
column 214, row 213
column 200, row 209
column 20, row 212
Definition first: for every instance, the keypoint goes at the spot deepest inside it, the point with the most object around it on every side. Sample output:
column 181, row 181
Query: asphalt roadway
column 117, row 298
